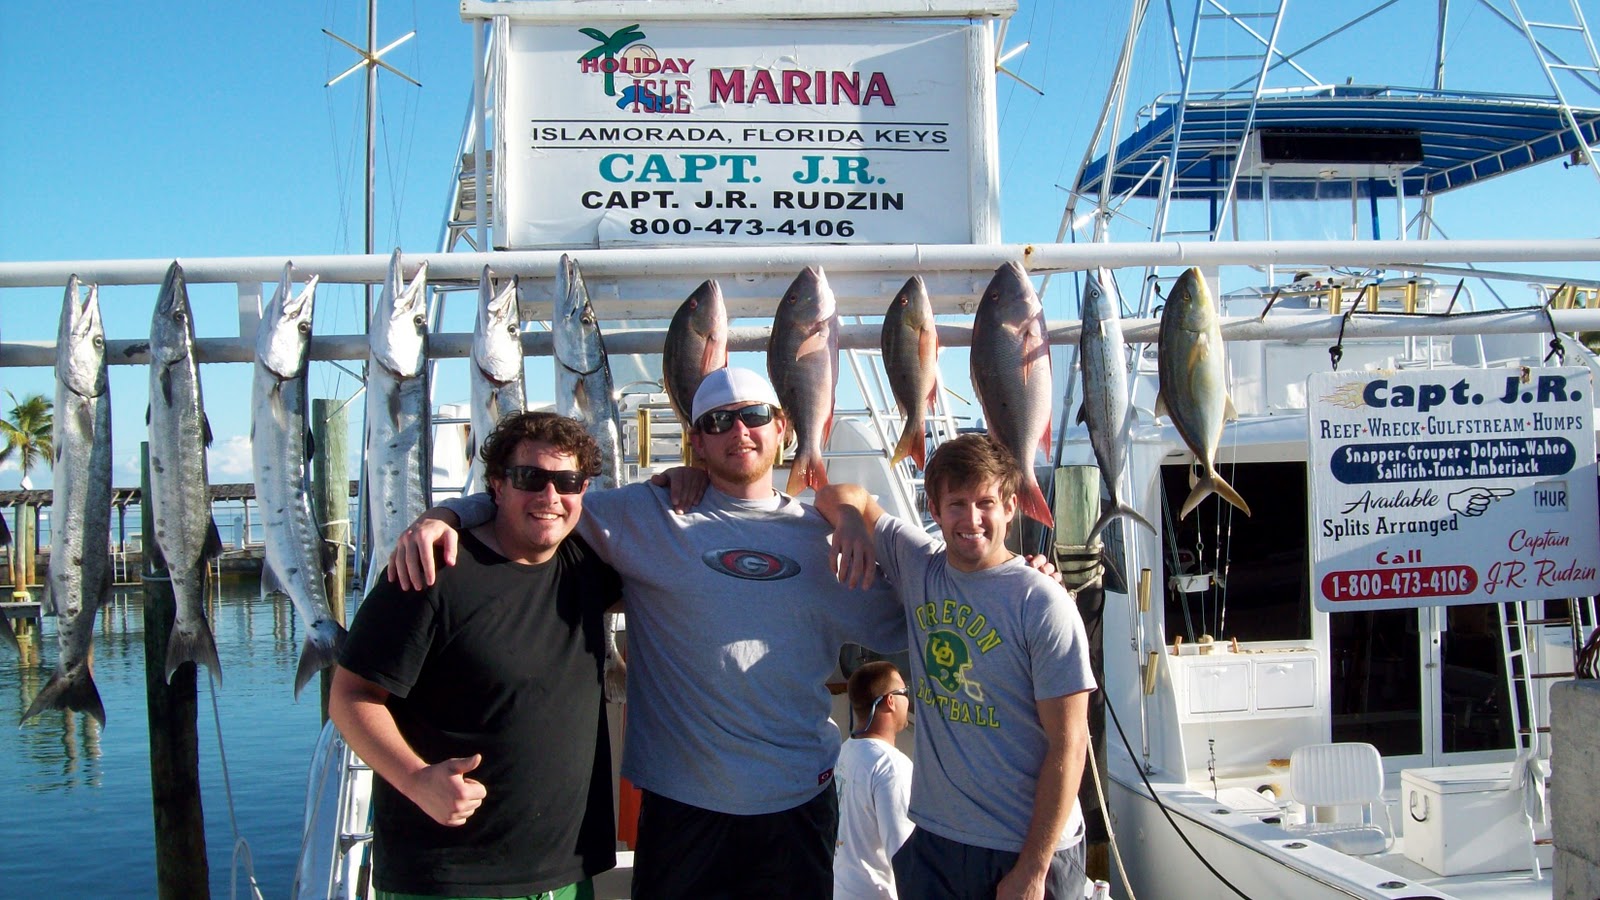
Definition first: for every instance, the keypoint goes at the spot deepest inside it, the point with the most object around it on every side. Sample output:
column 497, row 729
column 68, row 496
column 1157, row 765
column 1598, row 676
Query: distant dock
column 242, row 549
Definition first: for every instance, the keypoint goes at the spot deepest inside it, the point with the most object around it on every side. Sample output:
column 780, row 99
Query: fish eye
column 305, row 327
column 99, row 341
column 417, row 320
column 511, row 328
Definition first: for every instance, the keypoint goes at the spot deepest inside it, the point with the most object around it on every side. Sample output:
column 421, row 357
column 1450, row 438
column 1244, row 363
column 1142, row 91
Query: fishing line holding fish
column 241, row 847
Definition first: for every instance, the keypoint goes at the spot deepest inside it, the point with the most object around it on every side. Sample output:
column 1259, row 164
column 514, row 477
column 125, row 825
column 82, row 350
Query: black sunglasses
column 533, row 479
column 719, row 420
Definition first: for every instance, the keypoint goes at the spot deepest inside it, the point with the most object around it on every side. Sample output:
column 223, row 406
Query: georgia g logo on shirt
column 751, row 565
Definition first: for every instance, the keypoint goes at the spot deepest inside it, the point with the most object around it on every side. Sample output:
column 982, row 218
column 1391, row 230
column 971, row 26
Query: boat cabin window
column 1238, row 576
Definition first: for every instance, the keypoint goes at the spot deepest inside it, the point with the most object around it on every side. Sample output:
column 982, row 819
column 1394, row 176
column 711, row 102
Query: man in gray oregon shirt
column 1000, row 675
column 735, row 620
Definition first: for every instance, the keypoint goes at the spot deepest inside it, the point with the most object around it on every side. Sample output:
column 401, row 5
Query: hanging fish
column 1106, row 410
column 1011, row 375
column 180, row 499
column 910, row 345
column 295, row 556
column 696, row 345
column 1194, row 390
column 398, row 445
column 81, row 511
column 583, row 392
column 497, row 383
column 803, row 365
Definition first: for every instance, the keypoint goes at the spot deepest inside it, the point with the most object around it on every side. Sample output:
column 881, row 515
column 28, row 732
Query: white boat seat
column 1324, row 777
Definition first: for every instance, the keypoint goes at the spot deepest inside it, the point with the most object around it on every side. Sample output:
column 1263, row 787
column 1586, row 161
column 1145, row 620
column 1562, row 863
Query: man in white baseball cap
column 735, row 620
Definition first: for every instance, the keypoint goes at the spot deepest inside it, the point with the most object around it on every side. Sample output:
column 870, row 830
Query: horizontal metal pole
column 457, row 345
column 732, row 262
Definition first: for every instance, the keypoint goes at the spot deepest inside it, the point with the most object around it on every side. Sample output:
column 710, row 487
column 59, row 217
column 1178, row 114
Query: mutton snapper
column 696, row 346
column 1106, row 411
column 583, row 392
column 496, row 372
column 81, row 511
column 1011, row 375
column 179, row 497
column 296, row 556
column 398, row 446
column 1194, row 391
column 583, row 375
column 910, row 346
column 803, row 365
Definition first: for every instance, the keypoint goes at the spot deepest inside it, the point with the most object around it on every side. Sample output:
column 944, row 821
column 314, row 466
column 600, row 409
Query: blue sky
column 205, row 130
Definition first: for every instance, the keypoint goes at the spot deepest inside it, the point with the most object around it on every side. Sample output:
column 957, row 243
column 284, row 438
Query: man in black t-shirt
column 478, row 701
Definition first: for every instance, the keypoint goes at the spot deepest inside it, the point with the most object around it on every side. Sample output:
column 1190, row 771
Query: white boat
column 1260, row 746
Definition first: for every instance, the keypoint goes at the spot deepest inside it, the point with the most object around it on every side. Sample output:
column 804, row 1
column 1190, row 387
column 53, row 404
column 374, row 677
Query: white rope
column 241, row 847
column 1111, row 833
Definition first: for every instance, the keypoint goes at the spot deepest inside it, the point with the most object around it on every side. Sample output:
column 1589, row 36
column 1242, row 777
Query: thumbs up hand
column 444, row 791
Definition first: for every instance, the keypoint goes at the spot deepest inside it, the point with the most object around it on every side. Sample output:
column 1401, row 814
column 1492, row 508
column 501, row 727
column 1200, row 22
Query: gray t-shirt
column 985, row 646
column 734, row 625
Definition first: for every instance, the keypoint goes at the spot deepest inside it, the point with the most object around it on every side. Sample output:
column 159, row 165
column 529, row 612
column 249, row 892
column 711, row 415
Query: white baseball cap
column 731, row 385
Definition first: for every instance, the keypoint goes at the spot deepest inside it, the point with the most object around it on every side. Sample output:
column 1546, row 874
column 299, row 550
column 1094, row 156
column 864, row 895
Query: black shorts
column 930, row 867
column 688, row 852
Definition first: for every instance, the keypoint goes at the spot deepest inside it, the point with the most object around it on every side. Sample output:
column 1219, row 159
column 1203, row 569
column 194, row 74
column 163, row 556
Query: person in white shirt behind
column 874, row 780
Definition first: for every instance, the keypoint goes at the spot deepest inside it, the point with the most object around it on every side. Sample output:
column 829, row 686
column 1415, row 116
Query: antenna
column 370, row 60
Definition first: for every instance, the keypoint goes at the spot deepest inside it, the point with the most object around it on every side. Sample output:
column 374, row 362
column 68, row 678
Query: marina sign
column 657, row 133
column 1449, row 486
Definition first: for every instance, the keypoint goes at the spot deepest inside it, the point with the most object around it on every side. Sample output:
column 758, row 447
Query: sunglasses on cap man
column 719, row 420
column 533, row 479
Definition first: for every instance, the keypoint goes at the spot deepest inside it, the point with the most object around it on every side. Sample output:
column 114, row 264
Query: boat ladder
column 1554, row 64
column 1540, row 649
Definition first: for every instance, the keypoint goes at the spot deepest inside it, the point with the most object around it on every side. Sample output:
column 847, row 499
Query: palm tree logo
column 610, row 46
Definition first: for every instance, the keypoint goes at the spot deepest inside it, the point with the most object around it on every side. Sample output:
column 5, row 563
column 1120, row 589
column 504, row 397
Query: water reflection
column 76, row 784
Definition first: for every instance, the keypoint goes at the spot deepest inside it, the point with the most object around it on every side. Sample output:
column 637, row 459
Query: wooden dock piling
column 331, row 482
column 182, row 870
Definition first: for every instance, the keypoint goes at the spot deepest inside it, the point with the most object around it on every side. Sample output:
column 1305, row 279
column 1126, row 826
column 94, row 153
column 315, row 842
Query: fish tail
column 198, row 647
column 1118, row 509
column 911, row 445
column 1212, row 483
column 1035, row 506
column 317, row 655
column 806, row 471
column 69, row 689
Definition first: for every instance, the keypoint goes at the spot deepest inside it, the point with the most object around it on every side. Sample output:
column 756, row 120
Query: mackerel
column 1103, row 355
column 81, row 512
column 496, row 370
column 1194, row 391
column 180, row 500
column 1011, row 376
column 280, row 447
column 399, row 464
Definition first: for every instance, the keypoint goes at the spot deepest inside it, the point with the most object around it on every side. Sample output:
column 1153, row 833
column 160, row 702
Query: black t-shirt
column 502, row 659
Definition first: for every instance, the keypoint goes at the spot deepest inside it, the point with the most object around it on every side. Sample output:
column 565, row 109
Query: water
column 77, row 797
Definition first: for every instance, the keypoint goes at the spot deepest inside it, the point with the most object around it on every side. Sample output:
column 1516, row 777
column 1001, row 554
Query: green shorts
column 582, row 890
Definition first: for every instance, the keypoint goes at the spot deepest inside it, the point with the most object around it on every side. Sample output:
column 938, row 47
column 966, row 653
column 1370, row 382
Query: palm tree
column 29, row 431
column 610, row 46
column 28, row 435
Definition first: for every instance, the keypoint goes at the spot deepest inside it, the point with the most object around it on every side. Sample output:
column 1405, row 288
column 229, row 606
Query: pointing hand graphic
column 1474, row 501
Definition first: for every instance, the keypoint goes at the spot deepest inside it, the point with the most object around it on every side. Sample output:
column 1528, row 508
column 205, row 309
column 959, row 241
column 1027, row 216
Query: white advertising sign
column 1448, row 486
column 662, row 133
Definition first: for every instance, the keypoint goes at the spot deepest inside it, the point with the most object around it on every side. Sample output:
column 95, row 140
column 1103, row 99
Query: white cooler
column 1461, row 820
